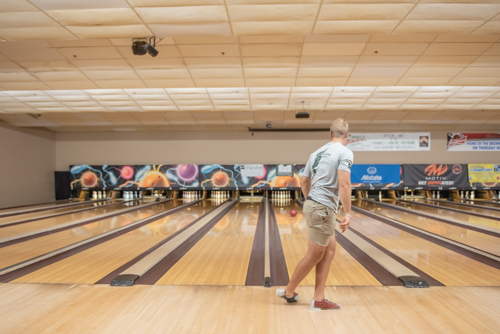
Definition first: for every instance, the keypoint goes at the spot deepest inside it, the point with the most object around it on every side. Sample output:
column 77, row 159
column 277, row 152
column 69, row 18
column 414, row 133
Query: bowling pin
column 379, row 195
column 467, row 194
column 438, row 194
column 462, row 194
column 411, row 192
column 472, row 195
column 94, row 195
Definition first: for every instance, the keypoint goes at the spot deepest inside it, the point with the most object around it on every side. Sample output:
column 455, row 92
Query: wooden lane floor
column 89, row 266
column 35, row 225
column 222, row 256
column 29, row 249
column 472, row 209
column 482, row 241
column 48, row 212
column 61, row 308
column 441, row 212
column 447, row 266
column 345, row 270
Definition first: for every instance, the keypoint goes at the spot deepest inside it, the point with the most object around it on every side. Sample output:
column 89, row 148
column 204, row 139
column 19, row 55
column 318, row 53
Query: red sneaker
column 325, row 304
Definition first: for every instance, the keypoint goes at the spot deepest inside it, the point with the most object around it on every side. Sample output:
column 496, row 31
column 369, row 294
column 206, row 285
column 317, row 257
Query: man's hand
column 344, row 224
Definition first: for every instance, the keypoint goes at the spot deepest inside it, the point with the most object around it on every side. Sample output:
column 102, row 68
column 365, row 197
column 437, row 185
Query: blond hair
column 339, row 128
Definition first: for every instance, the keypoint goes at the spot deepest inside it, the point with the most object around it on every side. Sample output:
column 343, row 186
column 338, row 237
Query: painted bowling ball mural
column 286, row 182
column 154, row 179
column 220, row 179
column 89, row 179
column 127, row 172
column 187, row 173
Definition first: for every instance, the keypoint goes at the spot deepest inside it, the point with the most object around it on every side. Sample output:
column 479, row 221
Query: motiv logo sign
column 434, row 170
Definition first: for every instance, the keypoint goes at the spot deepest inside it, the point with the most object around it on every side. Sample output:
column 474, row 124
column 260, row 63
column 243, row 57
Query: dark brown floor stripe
column 376, row 270
column 255, row 272
column 108, row 278
column 426, row 277
column 470, row 254
column 443, row 220
column 450, row 209
column 155, row 273
column 91, row 220
column 38, row 265
column 4, row 215
column 279, row 271
column 62, row 214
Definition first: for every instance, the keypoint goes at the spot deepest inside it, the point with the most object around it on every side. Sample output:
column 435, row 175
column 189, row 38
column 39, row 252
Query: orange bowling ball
column 89, row 179
column 154, row 180
column 220, row 179
column 286, row 182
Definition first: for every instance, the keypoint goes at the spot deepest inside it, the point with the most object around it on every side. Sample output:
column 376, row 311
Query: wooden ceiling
column 67, row 65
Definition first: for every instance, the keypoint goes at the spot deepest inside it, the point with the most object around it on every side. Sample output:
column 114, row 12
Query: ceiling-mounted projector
column 303, row 113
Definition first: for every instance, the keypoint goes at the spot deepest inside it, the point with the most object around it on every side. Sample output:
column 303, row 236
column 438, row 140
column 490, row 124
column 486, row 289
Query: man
column 326, row 178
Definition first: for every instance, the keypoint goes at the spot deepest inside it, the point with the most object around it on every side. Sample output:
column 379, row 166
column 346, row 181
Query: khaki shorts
column 321, row 222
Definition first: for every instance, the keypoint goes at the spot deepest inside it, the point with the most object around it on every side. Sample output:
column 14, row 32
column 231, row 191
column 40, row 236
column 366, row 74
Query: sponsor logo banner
column 435, row 176
column 473, row 142
column 375, row 174
column 389, row 141
column 484, row 173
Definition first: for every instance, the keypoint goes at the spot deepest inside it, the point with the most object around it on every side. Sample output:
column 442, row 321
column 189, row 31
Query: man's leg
column 323, row 268
column 314, row 255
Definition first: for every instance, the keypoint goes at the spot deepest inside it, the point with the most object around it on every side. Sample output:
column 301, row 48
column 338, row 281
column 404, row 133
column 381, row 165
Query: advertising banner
column 389, row 141
column 473, row 142
column 375, row 174
column 435, row 176
column 484, row 173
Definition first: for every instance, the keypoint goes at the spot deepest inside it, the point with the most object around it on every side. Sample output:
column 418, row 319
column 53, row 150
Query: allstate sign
column 377, row 174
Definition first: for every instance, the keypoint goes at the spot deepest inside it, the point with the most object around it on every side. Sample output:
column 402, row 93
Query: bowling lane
column 483, row 203
column 54, row 211
column 29, row 249
column 345, row 270
column 448, row 267
column 485, row 242
column 54, row 221
column 221, row 257
column 91, row 265
column 452, row 215
column 36, row 206
column 480, row 210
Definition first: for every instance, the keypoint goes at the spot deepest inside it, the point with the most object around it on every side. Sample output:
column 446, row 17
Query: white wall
column 27, row 165
column 230, row 148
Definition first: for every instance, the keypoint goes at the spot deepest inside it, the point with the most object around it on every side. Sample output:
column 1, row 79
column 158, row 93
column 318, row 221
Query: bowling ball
column 127, row 172
column 220, row 179
column 154, row 180
column 286, row 182
column 188, row 173
column 293, row 213
column 89, row 179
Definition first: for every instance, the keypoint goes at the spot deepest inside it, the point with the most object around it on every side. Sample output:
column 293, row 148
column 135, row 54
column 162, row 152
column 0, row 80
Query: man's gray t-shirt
column 322, row 167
